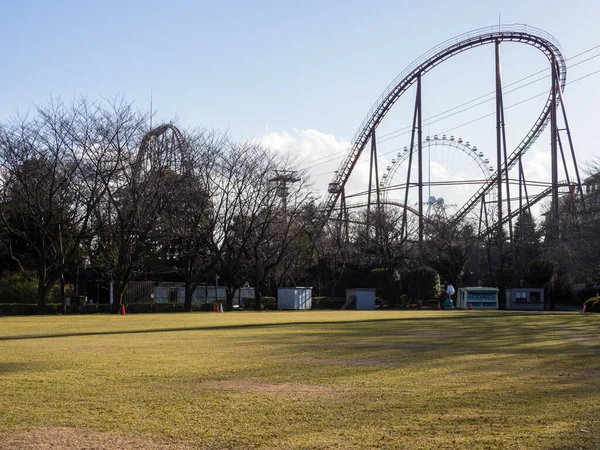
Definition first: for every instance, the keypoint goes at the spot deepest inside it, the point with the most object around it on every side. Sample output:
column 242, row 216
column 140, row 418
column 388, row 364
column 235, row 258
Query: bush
column 267, row 303
column 328, row 302
column 424, row 283
column 209, row 306
column 154, row 307
column 29, row 309
column 592, row 304
column 404, row 301
column 95, row 308
column 18, row 287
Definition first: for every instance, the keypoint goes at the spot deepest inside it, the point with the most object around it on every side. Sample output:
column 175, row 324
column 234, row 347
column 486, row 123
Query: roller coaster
column 495, row 182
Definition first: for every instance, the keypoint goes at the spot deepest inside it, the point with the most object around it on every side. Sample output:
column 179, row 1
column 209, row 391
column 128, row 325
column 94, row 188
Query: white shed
column 478, row 297
column 294, row 298
column 360, row 298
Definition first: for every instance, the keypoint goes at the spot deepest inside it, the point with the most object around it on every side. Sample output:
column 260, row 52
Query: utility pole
column 283, row 177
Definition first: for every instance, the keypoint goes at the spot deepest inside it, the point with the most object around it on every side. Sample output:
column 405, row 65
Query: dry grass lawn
column 288, row 380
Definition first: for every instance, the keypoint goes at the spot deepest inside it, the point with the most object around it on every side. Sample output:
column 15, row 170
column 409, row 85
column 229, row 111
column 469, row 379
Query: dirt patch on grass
column 417, row 345
column 43, row 438
column 352, row 362
column 262, row 387
column 426, row 334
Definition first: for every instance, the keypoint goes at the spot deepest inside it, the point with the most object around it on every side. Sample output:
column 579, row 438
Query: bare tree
column 190, row 218
column 279, row 221
column 52, row 171
column 148, row 169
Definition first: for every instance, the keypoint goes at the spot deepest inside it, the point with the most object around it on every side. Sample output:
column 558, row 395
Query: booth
column 477, row 297
column 294, row 298
column 360, row 298
column 530, row 299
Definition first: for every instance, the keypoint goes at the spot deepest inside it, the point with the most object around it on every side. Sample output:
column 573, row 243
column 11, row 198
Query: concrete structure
column 294, row 298
column 530, row 299
column 360, row 298
column 479, row 298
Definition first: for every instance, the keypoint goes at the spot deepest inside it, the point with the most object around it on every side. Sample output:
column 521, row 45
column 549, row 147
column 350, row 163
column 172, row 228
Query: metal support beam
column 377, row 190
column 554, row 153
column 504, row 152
column 370, row 190
column 499, row 137
column 344, row 217
column 568, row 130
column 404, row 229
column 420, row 156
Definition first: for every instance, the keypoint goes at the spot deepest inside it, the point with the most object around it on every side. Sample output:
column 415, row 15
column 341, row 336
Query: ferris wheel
column 455, row 169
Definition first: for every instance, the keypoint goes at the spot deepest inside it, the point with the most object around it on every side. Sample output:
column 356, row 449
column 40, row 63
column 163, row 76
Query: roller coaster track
column 519, row 33
column 384, row 202
column 178, row 142
column 532, row 201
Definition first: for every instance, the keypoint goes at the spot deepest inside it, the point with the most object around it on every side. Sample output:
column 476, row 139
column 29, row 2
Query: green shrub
column 328, row 302
column 18, row 287
column 592, row 304
column 404, row 301
column 247, row 302
column 86, row 308
column 29, row 309
column 266, row 302
column 424, row 283
column 209, row 306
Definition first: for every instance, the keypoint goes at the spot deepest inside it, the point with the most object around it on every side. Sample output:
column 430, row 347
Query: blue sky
column 298, row 75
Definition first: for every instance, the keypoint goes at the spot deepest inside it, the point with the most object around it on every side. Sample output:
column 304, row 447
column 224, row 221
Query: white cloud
column 319, row 154
column 536, row 165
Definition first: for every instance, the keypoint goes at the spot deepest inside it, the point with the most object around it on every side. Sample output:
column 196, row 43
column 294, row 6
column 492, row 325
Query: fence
column 174, row 292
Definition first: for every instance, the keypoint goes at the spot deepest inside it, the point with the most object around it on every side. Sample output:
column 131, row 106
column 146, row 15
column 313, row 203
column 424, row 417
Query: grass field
column 287, row 380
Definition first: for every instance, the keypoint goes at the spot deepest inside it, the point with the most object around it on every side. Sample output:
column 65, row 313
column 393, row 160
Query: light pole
column 216, row 285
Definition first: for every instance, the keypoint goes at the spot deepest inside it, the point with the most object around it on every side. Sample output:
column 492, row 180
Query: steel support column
column 377, row 190
column 504, row 152
column 499, row 137
column 568, row 130
column 554, row 153
column 370, row 187
column 404, row 229
column 420, row 156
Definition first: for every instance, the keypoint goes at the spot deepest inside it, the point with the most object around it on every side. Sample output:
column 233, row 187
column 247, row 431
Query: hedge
column 328, row 302
column 29, row 309
column 266, row 303
column 592, row 304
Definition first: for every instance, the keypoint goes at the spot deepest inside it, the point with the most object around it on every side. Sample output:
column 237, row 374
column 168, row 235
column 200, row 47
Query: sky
column 299, row 76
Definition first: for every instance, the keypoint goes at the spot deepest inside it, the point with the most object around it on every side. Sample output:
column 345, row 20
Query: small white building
column 294, row 298
column 478, row 297
column 360, row 298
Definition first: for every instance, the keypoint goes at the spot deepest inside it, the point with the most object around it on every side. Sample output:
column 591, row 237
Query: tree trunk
column 189, row 292
column 229, row 298
column 190, row 286
column 119, row 295
column 257, row 293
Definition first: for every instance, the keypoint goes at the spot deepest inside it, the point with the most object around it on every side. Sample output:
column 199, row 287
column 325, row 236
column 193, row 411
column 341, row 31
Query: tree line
column 94, row 184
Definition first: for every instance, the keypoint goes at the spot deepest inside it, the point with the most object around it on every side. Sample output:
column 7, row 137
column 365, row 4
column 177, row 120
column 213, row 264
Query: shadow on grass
column 425, row 319
column 14, row 367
